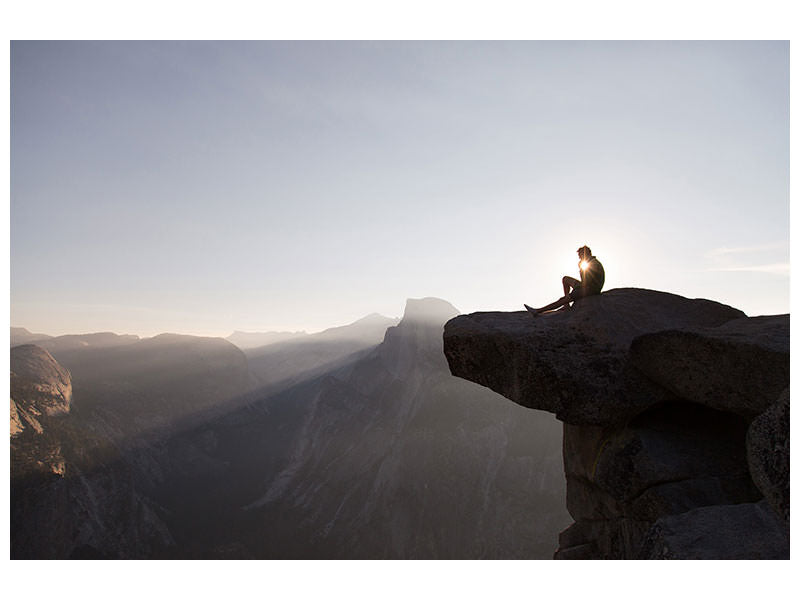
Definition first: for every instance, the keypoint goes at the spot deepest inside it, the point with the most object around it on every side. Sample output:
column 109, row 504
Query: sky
column 199, row 187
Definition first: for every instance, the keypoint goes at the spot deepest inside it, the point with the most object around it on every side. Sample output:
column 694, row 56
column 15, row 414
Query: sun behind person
column 593, row 276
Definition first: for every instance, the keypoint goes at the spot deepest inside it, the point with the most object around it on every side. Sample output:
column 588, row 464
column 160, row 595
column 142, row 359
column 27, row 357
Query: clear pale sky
column 206, row 187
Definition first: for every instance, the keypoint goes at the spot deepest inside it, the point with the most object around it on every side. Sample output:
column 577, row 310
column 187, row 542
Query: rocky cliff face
column 85, row 469
column 675, row 418
column 42, row 385
column 41, row 392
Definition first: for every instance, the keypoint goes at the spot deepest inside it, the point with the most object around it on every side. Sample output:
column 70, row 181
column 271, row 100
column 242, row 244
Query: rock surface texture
column 675, row 411
column 44, row 384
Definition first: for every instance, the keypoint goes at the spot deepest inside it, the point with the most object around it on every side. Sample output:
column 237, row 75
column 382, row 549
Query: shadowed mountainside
column 396, row 458
column 385, row 455
column 280, row 365
column 155, row 382
column 82, row 483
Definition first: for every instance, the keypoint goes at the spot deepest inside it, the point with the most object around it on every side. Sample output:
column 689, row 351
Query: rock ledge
column 670, row 405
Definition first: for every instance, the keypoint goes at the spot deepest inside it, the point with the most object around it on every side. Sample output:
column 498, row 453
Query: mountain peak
column 429, row 309
column 20, row 335
column 373, row 318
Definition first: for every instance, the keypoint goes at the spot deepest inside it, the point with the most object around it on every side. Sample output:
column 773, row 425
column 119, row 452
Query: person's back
column 593, row 276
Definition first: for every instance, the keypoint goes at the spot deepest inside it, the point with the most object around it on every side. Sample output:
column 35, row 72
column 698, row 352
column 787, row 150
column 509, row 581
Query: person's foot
column 533, row 311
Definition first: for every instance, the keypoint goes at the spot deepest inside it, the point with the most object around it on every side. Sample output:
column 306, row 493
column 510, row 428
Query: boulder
column 740, row 531
column 768, row 454
column 675, row 442
column 608, row 539
column 671, row 459
column 741, row 366
column 676, row 497
column 574, row 363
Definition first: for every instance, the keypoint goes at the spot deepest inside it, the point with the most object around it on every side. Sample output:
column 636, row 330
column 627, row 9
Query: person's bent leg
column 569, row 283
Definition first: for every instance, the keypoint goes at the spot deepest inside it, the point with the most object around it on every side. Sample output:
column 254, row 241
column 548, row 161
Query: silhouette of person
column 593, row 276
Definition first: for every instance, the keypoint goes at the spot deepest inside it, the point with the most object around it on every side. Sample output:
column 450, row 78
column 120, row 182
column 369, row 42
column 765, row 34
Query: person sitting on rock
column 593, row 276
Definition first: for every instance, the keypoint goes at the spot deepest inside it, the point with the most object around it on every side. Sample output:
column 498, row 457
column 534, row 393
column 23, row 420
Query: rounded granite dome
column 429, row 309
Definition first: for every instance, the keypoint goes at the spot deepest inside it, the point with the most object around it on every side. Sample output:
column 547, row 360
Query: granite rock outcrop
column 768, row 454
column 675, row 418
column 43, row 386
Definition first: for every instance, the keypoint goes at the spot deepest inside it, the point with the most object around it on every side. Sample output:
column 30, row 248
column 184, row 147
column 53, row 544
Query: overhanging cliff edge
column 675, row 411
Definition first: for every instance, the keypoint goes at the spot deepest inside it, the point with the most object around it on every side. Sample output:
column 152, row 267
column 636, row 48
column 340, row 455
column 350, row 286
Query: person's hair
column 586, row 250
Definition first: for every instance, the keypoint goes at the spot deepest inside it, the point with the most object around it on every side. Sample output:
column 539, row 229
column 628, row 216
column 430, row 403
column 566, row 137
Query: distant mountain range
column 355, row 442
column 280, row 365
column 20, row 335
column 246, row 340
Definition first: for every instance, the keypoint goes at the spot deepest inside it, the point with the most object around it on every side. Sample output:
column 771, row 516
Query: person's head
column 584, row 253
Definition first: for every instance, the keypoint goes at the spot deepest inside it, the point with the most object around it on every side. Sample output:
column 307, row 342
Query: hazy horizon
column 222, row 335
column 211, row 187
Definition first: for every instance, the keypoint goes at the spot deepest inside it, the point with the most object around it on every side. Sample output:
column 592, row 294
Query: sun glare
column 584, row 264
